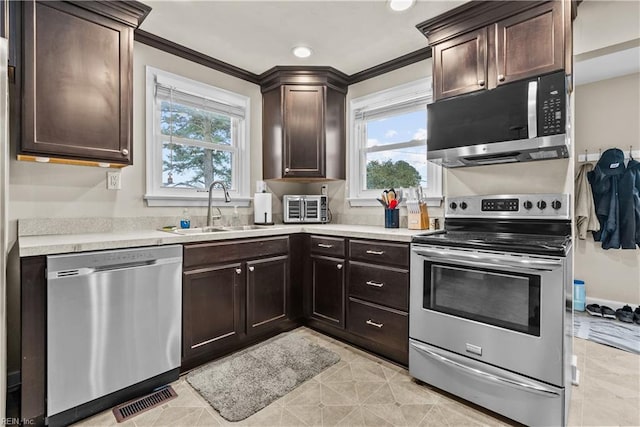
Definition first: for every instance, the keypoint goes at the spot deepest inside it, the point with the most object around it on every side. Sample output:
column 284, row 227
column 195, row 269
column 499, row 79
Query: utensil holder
column 419, row 220
column 392, row 218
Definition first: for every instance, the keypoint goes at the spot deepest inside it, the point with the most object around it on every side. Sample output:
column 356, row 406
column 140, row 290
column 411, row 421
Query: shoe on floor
column 607, row 312
column 594, row 310
column 625, row 314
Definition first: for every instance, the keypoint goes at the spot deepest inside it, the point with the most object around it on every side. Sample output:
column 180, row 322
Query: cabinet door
column 304, row 150
column 267, row 293
column 327, row 290
column 460, row 64
column 530, row 43
column 77, row 84
column 213, row 299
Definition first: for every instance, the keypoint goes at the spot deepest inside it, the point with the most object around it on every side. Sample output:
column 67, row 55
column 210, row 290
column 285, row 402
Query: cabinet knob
column 501, row 77
column 238, row 271
column 481, row 82
column 125, row 152
column 286, row 170
column 251, row 268
column 339, row 266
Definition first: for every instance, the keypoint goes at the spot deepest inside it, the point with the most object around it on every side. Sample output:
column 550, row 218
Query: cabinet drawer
column 233, row 250
column 329, row 246
column 379, row 253
column 386, row 327
column 382, row 285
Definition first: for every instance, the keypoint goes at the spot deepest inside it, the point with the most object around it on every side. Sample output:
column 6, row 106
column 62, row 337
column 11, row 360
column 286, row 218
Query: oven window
column 499, row 298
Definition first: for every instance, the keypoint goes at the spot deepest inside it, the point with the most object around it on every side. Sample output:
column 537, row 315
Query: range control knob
column 453, row 205
column 542, row 204
column 528, row 205
column 463, row 205
column 556, row 204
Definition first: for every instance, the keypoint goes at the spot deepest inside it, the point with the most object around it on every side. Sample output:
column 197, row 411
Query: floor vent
column 134, row 407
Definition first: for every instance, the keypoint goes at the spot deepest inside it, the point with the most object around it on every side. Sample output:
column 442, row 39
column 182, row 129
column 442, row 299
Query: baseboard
column 13, row 381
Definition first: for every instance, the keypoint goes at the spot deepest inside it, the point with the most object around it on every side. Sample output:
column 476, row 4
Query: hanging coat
column 604, row 180
column 629, row 196
column 586, row 219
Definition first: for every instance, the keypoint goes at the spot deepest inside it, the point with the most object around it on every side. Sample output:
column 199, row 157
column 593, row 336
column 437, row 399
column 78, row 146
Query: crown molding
column 194, row 56
column 289, row 74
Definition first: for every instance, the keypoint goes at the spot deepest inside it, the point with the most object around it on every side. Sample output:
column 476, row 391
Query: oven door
column 501, row 308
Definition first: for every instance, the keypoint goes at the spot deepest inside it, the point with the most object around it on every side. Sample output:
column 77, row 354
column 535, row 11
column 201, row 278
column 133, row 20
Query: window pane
column 403, row 127
column 405, row 167
column 194, row 123
column 185, row 166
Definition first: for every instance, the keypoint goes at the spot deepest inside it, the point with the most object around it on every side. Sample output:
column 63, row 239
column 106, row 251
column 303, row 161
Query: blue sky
column 400, row 128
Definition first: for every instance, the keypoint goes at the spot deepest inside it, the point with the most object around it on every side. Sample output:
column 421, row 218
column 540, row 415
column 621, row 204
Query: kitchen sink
column 216, row 229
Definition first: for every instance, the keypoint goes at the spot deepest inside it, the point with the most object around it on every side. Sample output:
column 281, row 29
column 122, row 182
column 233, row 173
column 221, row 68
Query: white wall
column 62, row 191
column 607, row 115
column 601, row 24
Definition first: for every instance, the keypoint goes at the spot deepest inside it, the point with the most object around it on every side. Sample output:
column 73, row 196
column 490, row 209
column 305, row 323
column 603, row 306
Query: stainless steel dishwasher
column 113, row 320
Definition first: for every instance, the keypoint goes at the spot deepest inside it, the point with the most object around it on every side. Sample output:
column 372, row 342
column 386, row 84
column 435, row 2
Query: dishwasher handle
column 85, row 271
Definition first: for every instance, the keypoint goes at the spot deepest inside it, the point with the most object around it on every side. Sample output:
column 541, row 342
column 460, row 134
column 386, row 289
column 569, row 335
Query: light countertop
column 68, row 243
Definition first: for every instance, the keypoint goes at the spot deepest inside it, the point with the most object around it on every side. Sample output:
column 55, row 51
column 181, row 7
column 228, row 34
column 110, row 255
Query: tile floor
column 362, row 390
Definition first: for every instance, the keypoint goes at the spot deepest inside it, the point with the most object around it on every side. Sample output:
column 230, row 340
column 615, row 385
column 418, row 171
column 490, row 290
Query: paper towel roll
column 262, row 208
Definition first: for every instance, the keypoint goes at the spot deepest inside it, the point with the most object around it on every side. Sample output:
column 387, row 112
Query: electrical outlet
column 113, row 181
column 323, row 189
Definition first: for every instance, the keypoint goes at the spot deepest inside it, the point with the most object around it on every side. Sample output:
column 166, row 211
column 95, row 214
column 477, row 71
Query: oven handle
column 492, row 260
column 533, row 388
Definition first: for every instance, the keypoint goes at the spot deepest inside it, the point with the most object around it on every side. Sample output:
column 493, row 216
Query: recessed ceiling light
column 400, row 5
column 301, row 51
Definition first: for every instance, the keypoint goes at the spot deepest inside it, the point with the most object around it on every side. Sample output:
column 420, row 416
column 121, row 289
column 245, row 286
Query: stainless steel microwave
column 305, row 209
column 516, row 122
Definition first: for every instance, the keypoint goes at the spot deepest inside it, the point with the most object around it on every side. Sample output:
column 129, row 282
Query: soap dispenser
column 185, row 221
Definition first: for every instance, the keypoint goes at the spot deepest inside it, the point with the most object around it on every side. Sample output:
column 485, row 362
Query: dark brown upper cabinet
column 483, row 44
column 303, row 123
column 77, row 80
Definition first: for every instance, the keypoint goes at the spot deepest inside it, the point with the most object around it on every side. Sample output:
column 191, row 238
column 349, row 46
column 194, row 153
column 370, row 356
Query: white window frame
column 417, row 90
column 156, row 194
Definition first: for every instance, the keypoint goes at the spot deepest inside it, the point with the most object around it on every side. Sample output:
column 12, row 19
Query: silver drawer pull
column 376, row 284
column 324, row 245
column 375, row 252
column 372, row 323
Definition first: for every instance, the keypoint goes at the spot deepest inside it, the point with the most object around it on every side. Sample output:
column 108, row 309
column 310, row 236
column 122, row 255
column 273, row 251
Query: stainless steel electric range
column 491, row 305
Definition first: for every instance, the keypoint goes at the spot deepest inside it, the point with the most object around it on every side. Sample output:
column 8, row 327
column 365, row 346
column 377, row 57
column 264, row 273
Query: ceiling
column 350, row 36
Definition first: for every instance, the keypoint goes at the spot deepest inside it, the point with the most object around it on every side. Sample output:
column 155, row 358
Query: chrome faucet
column 227, row 199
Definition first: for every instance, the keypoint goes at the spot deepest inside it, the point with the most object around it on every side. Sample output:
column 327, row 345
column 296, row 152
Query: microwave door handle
column 532, row 109
column 533, row 388
column 493, row 260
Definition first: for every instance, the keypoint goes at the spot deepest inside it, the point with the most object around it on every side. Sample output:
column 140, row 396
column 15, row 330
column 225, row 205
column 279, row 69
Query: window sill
column 359, row 203
column 182, row 201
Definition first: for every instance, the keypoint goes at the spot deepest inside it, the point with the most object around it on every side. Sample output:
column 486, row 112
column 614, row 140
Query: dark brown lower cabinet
column 267, row 284
column 213, row 306
column 386, row 329
column 235, row 293
column 363, row 297
column 328, row 290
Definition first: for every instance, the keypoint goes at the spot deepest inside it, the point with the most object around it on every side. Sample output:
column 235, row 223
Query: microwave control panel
column 552, row 102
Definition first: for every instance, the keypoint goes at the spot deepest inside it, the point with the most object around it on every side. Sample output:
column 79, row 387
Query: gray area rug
column 245, row 382
column 614, row 333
